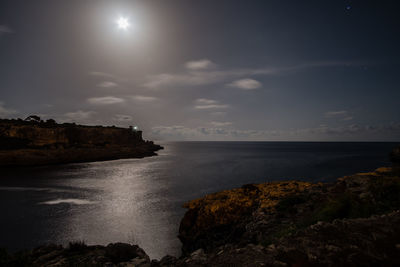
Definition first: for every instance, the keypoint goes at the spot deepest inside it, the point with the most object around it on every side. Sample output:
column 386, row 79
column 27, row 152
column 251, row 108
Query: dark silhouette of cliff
column 36, row 142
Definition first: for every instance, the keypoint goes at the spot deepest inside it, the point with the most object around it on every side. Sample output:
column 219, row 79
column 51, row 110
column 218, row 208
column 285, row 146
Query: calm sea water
column 139, row 200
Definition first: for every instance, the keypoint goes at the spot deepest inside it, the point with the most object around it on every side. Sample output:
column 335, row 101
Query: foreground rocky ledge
column 352, row 222
column 370, row 241
column 279, row 211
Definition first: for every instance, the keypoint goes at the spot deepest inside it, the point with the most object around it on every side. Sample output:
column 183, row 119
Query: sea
column 140, row 200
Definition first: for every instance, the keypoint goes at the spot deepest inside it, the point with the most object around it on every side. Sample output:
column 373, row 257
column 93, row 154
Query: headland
column 34, row 142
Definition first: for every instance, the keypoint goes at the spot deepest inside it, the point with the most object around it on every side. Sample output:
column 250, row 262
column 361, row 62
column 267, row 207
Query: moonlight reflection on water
column 132, row 207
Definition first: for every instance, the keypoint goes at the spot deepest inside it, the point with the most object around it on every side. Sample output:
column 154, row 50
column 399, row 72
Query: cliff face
column 64, row 136
column 33, row 143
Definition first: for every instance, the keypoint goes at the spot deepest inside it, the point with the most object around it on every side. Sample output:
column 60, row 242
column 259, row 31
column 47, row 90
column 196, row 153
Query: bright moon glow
column 123, row 23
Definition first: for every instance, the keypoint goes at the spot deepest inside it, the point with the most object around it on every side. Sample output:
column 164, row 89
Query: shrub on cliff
column 343, row 206
column 288, row 203
column 51, row 122
column 76, row 246
column 386, row 193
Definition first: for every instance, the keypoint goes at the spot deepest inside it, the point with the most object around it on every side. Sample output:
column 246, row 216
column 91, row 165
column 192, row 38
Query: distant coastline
column 33, row 142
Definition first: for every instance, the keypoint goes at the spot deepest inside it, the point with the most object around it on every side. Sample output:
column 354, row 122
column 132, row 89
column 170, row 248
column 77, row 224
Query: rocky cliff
column 354, row 221
column 350, row 222
column 222, row 217
column 38, row 142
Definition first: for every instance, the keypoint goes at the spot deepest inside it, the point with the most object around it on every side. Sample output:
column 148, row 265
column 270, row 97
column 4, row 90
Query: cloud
column 327, row 130
column 5, row 29
column 105, row 100
column 211, row 106
column 206, row 101
column 221, row 124
column 335, row 114
column 178, row 132
column 107, row 84
column 202, row 64
column 341, row 115
column 323, row 132
column 102, row 74
column 198, row 74
column 123, row 118
column 142, row 98
column 246, row 84
column 218, row 113
column 186, row 79
column 174, row 131
column 203, row 103
column 203, row 133
column 6, row 111
column 79, row 115
column 197, row 78
column 355, row 130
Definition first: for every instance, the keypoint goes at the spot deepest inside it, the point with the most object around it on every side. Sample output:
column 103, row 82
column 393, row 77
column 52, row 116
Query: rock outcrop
column 370, row 241
column 222, row 217
column 395, row 157
column 261, row 214
column 39, row 143
column 79, row 254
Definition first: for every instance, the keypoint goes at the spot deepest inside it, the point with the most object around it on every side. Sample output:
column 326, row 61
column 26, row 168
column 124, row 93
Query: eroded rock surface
column 78, row 254
column 373, row 241
column 222, row 217
column 298, row 224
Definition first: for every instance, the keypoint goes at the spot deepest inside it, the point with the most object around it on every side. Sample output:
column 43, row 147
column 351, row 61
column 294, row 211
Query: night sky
column 207, row 70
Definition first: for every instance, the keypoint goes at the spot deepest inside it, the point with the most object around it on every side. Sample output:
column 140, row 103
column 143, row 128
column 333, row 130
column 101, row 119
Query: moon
column 123, row 23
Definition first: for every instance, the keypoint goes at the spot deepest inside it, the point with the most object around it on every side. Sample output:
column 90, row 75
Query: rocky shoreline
column 36, row 142
column 354, row 221
column 37, row 157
